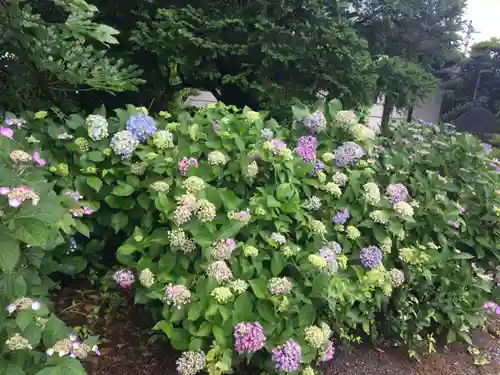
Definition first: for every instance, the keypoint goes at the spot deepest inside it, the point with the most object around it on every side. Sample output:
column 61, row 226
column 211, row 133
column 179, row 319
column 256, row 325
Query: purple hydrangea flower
column 306, row 148
column 278, row 145
column 329, row 352
column 6, row 132
column 397, row 193
column 141, row 126
column 348, row 154
column 370, row 257
column 487, row 148
column 248, row 337
column 185, row 163
column 287, row 356
column 124, row 278
column 329, row 254
column 318, row 167
column 341, row 217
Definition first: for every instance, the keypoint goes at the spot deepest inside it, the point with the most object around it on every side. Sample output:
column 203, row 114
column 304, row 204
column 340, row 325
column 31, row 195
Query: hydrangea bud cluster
column 248, row 338
column 18, row 342
column 278, row 147
column 19, row 156
column 279, row 285
column 97, row 127
column 163, row 139
column 23, row 304
column 73, row 194
column 124, row 278
column 370, row 257
column 177, row 295
column 220, row 271
column 160, row 186
column 252, row 170
column 397, row 193
column 81, row 211
column 340, row 179
column 306, row 148
column 317, row 261
column 319, row 167
column 312, row 204
column 147, row 278
column 17, row 122
column 333, row 189
column 179, row 241
column 308, row 371
column 328, row 353
column 185, row 163
column 124, row 144
column 185, row 208
column 341, row 217
column 327, row 157
column 267, row 134
column 64, row 136
column 329, row 254
column 18, row 195
column 397, row 277
column 241, row 216
column 346, row 119
column 141, row 126
column 403, row 209
column 386, row 245
column 193, row 185
column 317, row 227
column 222, row 294
column 191, row 363
column 284, row 304
column 205, row 211
column 348, row 154
column 82, row 144
column 238, row 286
column 315, row 336
column 379, row 216
column 217, row 158
column 287, row 357
column 362, row 133
column 353, row 233
column 250, row 251
column 278, row 239
column 371, row 193
column 290, row 251
column 315, row 122
column 222, row 249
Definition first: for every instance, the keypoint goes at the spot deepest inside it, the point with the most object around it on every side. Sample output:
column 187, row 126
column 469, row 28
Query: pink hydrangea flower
column 38, row 160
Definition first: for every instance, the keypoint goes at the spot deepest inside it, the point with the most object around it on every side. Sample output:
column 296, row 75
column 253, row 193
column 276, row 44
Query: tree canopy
column 478, row 83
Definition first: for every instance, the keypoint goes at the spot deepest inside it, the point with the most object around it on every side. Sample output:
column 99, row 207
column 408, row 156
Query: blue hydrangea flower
column 141, row 126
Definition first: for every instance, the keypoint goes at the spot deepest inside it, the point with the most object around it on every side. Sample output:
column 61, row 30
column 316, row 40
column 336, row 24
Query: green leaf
column 220, row 337
column 96, row 156
column 229, row 199
column 94, row 182
column 231, row 229
column 195, row 311
column 195, row 344
column 205, row 329
column 9, row 254
column 65, row 366
column 31, row 231
column 179, row 338
column 123, row 190
column 243, row 307
column 127, row 249
column 265, row 309
column 12, row 369
column 259, row 287
column 119, row 221
column 278, row 262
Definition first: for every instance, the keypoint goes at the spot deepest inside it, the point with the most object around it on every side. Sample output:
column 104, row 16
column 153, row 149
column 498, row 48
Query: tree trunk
column 386, row 114
column 410, row 114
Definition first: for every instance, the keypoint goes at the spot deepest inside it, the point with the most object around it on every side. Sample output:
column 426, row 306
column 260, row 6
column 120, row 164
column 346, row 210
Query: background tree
column 425, row 33
column 255, row 53
column 478, row 82
column 49, row 50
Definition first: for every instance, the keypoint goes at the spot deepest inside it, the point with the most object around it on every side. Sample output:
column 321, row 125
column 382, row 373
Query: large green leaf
column 259, row 287
column 31, row 231
column 123, row 190
column 94, row 182
column 9, row 251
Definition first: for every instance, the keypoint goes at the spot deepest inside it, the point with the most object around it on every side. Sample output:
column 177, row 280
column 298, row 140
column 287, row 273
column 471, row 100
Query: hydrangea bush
column 34, row 224
column 255, row 241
